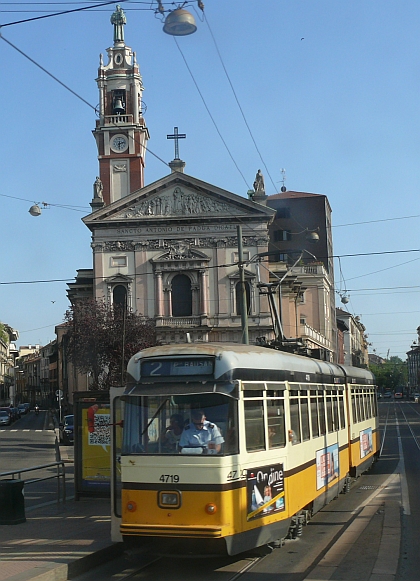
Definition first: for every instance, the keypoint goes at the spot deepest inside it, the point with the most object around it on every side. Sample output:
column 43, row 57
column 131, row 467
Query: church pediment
column 181, row 251
column 178, row 196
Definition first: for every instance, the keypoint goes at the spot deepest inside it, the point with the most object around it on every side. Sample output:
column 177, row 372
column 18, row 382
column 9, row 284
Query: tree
column 390, row 375
column 101, row 339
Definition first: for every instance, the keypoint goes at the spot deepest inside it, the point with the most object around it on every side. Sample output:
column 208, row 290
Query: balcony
column 179, row 322
column 118, row 120
column 306, row 332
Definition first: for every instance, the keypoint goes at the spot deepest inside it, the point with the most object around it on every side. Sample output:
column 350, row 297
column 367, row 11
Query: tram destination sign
column 173, row 367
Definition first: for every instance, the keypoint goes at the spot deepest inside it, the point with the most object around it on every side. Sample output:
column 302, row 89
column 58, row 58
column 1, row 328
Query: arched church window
column 238, row 293
column 119, row 296
column 181, row 296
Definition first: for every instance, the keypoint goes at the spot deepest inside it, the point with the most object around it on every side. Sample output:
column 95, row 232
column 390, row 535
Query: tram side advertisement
column 327, row 466
column 265, row 491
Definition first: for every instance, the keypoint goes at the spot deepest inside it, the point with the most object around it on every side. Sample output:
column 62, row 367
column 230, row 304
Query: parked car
column 66, row 430
column 5, row 418
column 22, row 409
column 415, row 397
column 28, row 407
column 9, row 412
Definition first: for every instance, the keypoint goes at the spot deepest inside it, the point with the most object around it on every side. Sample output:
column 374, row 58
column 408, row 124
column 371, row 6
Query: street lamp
column 179, row 22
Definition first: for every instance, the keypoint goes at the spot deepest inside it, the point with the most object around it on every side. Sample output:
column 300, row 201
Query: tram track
column 180, row 568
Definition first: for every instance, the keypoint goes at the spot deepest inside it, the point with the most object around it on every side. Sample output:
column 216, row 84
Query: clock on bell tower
column 121, row 133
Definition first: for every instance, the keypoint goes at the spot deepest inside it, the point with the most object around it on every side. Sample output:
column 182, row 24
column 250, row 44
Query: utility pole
column 243, row 302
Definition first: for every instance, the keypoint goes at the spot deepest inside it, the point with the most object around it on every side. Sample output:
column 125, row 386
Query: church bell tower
column 121, row 133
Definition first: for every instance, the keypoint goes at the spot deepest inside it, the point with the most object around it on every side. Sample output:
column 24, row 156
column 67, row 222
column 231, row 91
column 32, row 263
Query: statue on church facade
column 118, row 19
column 259, row 182
column 98, row 188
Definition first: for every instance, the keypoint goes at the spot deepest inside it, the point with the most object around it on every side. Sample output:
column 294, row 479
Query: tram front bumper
column 204, row 532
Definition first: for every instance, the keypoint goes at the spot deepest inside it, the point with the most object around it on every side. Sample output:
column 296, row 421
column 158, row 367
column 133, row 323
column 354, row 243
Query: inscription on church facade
column 176, row 229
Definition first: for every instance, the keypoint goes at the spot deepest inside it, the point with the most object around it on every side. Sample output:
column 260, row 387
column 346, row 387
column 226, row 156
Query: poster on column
column 96, row 442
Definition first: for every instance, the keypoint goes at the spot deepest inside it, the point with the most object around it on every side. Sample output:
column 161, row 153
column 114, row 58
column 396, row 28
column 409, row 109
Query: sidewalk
column 58, row 541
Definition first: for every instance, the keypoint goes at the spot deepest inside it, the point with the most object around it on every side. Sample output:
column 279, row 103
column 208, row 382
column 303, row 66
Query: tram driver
column 201, row 433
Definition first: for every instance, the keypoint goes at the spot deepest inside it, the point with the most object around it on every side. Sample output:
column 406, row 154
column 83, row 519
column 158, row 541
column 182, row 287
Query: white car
column 4, row 418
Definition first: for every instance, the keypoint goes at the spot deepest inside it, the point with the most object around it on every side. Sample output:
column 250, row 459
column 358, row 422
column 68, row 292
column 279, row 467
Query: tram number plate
column 169, row 478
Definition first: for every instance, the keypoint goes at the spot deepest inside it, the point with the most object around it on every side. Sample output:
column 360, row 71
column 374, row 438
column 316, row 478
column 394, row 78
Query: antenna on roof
column 283, row 180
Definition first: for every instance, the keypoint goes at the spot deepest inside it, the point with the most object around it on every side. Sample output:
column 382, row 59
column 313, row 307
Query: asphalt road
column 27, row 443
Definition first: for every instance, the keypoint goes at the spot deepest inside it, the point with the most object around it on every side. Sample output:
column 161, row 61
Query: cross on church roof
column 176, row 136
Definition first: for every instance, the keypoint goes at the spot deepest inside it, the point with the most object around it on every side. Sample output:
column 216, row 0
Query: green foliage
column 391, row 375
column 4, row 335
column 101, row 340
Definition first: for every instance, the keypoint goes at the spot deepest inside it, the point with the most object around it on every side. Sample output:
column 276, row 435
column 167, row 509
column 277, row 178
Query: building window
column 245, row 256
column 283, row 213
column 238, row 293
column 119, row 296
column 181, row 296
column 282, row 235
column 118, row 261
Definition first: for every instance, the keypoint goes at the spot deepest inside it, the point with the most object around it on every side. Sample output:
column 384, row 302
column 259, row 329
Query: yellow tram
column 279, row 437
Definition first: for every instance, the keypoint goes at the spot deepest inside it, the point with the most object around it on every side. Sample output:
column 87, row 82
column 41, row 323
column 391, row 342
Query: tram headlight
column 170, row 499
column 210, row 508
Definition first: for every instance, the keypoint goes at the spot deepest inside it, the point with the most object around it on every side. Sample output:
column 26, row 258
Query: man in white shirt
column 201, row 434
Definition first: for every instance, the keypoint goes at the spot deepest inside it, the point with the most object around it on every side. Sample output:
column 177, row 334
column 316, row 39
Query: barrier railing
column 60, row 475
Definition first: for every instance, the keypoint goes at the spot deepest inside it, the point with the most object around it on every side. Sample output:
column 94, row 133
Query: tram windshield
column 204, row 423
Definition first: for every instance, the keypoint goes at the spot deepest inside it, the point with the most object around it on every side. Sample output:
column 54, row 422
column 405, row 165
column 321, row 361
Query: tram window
column 335, row 412
column 304, row 412
column 353, row 406
column 154, row 425
column 275, row 422
column 321, row 409
column 329, row 411
column 341, row 409
column 254, row 387
column 295, row 436
column 314, row 416
column 368, row 406
column 253, row 394
column 254, row 425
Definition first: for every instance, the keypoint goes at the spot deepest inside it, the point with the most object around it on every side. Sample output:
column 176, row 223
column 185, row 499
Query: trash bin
column 12, row 503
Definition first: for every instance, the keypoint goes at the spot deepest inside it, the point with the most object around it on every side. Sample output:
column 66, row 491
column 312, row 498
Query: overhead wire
column 209, row 112
column 237, row 101
column 58, row 13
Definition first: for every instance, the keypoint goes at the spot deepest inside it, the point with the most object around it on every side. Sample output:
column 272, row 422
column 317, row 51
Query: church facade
column 169, row 250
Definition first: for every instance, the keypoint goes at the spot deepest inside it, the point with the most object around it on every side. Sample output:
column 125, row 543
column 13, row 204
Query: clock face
column 119, row 143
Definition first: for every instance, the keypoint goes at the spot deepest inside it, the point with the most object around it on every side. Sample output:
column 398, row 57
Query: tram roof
column 240, row 357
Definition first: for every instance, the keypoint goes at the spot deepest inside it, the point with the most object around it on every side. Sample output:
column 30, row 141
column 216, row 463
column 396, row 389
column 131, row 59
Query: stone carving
column 120, row 167
column 259, row 182
column 119, row 246
column 177, row 249
column 118, row 19
column 98, row 188
column 176, row 204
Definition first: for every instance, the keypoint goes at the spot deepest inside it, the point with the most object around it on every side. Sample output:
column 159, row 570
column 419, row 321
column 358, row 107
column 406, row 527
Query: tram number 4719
column 169, row 478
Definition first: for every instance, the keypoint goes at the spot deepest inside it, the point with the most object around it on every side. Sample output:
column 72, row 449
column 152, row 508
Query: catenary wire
column 58, row 13
column 237, row 101
column 209, row 112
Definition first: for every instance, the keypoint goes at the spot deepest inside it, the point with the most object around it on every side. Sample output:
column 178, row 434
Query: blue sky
column 330, row 90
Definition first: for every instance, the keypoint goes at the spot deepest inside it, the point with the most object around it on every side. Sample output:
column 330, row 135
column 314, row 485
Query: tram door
column 117, row 415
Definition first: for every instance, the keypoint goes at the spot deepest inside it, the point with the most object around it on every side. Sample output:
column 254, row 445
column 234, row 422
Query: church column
column 159, row 295
column 204, row 284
